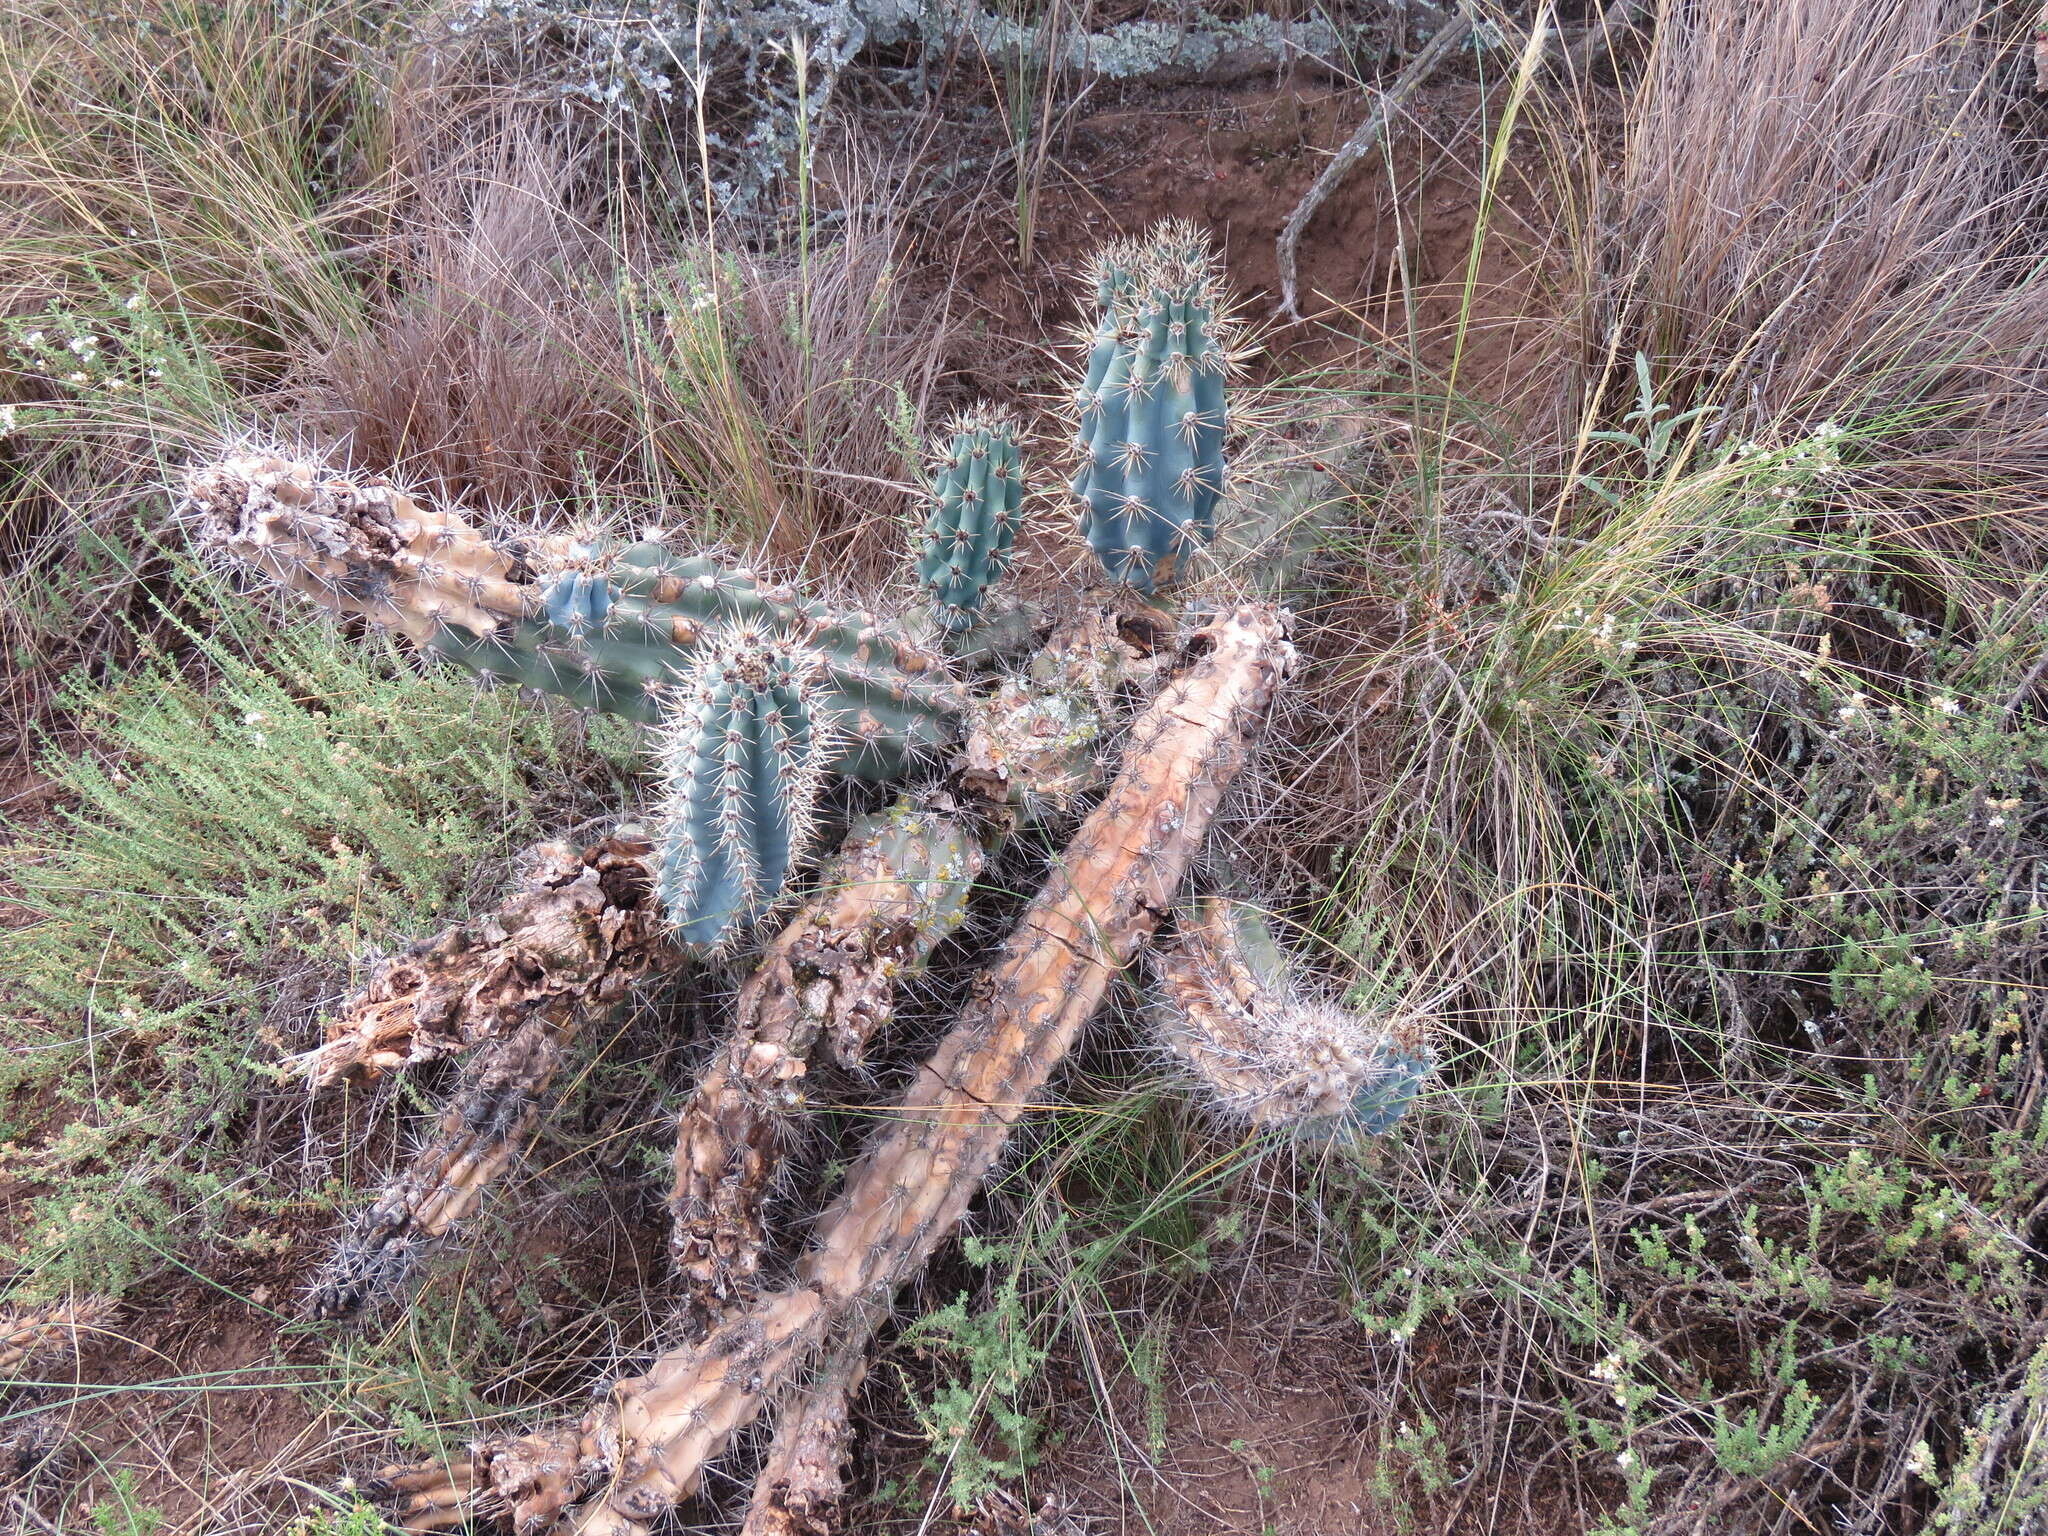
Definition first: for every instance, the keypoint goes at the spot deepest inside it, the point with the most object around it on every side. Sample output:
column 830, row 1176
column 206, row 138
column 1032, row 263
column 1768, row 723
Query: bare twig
column 1441, row 45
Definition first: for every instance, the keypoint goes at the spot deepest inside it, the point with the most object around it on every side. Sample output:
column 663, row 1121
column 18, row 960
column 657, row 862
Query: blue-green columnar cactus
column 615, row 643
column 742, row 755
column 977, row 488
column 564, row 616
column 1152, row 410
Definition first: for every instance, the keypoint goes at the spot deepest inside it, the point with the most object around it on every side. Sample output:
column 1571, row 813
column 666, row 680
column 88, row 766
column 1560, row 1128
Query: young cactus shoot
column 1152, row 411
column 976, row 489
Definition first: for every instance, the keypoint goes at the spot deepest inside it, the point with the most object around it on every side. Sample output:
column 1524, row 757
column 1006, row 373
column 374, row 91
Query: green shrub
column 242, row 837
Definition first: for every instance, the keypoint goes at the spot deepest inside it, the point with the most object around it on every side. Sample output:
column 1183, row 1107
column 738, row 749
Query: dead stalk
column 644, row 1450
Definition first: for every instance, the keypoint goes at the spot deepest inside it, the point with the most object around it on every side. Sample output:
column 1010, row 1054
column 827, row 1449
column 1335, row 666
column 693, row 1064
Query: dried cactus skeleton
column 761, row 697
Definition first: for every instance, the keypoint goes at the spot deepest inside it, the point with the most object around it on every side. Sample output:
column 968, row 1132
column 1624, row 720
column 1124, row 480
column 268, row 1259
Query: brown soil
column 1237, row 161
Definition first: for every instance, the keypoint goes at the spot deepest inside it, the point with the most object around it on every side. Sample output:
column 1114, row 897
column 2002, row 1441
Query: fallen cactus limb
column 898, row 885
column 1261, row 1049
column 637, row 1455
column 517, row 986
column 583, row 927
column 801, row 1488
column 485, row 1126
column 40, row 1334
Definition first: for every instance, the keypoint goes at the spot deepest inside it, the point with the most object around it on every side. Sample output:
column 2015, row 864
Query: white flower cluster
column 76, row 353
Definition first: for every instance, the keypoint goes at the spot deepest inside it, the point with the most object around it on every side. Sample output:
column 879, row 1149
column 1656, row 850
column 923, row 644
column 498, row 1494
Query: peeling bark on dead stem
column 910, row 1189
column 886, row 901
column 581, row 930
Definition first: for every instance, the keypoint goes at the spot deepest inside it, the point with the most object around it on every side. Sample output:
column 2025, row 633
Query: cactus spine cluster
column 743, row 754
column 1151, row 407
column 976, row 487
column 1230, row 1012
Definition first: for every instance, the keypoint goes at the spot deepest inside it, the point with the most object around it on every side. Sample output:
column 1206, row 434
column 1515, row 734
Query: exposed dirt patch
column 1237, row 160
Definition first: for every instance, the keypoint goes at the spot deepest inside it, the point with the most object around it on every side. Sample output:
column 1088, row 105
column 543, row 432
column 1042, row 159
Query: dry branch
column 890, row 894
column 801, row 1490
column 583, row 928
column 637, row 1455
column 37, row 1335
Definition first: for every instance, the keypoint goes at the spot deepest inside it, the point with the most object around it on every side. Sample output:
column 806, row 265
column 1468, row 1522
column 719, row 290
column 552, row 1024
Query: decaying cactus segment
column 518, row 985
column 581, row 928
column 355, row 546
column 485, row 1126
column 1152, row 412
column 742, row 757
column 635, row 1456
column 38, row 1335
column 977, row 486
column 553, row 614
column 1031, row 745
column 801, row 1489
column 1264, row 1052
column 897, row 886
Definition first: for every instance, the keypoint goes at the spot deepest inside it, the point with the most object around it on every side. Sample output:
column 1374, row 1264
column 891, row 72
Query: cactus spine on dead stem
column 1263, row 1049
column 743, row 756
column 977, row 486
column 562, row 615
column 1152, row 409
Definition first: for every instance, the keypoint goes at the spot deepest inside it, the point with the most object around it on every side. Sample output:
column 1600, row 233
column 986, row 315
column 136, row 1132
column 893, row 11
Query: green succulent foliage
column 976, row 488
column 1152, row 409
column 614, row 640
column 743, row 755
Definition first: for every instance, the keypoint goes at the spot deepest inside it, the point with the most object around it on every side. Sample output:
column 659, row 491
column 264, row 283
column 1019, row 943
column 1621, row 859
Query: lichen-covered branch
column 582, row 928
column 909, row 1191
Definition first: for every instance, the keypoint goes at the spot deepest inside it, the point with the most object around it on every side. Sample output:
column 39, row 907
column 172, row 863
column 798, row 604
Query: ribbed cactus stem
column 563, row 615
column 976, row 492
column 1152, row 410
column 743, row 755
column 1265, row 1052
column 357, row 546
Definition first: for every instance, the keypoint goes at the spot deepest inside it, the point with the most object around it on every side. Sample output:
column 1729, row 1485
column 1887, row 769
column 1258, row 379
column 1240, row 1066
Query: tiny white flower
column 34, row 338
column 1996, row 821
column 1626, row 1459
column 253, row 717
column 132, row 303
column 1948, row 706
column 84, row 344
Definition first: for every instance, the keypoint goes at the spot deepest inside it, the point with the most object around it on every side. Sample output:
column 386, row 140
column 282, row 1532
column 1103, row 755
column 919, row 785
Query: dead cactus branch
column 38, row 1335
column 582, row 929
column 801, row 1488
column 485, row 1126
column 898, row 885
column 910, row 1189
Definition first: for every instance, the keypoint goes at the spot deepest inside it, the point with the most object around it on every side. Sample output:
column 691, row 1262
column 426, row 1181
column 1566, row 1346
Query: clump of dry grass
column 1693, row 775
